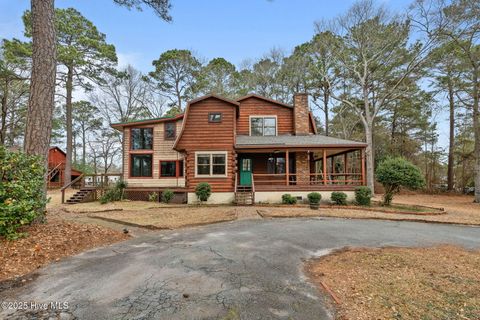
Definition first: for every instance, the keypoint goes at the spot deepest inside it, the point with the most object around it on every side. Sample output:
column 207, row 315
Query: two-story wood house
column 250, row 150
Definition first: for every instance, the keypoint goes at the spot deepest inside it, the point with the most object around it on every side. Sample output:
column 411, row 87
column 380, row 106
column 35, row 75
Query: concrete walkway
column 250, row 269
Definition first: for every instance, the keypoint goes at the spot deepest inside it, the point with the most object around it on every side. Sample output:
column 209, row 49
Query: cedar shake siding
column 253, row 106
column 199, row 134
column 162, row 150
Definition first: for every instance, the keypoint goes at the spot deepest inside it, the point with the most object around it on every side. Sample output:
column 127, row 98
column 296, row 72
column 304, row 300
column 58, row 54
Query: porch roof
column 290, row 141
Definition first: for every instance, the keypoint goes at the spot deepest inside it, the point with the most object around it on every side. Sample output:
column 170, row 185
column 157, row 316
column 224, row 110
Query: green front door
column 246, row 172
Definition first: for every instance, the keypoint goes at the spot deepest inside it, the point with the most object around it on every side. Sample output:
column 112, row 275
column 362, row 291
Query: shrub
column 339, row 198
column 288, row 199
column 114, row 194
column 394, row 173
column 314, row 197
column 203, row 191
column 22, row 196
column 153, row 197
column 167, row 195
column 363, row 196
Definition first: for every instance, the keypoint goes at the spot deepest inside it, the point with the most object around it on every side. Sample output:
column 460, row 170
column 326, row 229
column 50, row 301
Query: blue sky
column 233, row 29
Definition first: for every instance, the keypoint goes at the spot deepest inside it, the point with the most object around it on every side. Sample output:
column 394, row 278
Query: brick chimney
column 300, row 114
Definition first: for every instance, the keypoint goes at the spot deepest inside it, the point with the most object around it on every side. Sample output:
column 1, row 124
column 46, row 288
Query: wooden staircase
column 52, row 172
column 81, row 196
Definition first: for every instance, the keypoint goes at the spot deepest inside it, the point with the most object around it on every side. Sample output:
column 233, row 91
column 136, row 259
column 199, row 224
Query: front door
column 246, row 172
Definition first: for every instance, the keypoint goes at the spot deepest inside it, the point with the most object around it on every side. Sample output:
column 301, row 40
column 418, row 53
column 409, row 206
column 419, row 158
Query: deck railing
column 93, row 181
column 351, row 178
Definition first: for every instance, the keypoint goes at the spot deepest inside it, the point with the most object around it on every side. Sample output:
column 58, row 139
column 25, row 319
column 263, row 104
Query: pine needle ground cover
column 401, row 283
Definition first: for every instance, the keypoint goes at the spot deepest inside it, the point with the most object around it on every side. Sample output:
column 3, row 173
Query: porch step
column 80, row 196
column 244, row 198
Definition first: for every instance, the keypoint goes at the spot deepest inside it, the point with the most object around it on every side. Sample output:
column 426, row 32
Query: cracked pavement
column 250, row 269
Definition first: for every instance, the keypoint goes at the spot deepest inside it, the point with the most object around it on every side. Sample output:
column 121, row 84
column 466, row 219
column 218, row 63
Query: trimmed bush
column 153, row 197
column 114, row 194
column 167, row 195
column 288, row 199
column 363, row 196
column 314, row 197
column 203, row 191
column 339, row 198
column 21, row 191
column 394, row 173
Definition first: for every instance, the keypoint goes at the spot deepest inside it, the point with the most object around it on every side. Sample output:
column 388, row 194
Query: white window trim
column 211, row 164
column 262, row 116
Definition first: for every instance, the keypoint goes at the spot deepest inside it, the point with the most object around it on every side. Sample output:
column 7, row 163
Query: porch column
column 287, row 169
column 362, row 151
column 303, row 168
column 345, row 166
column 324, row 166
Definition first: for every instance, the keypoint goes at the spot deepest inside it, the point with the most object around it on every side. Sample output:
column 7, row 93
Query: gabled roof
column 253, row 95
column 311, row 140
column 146, row 121
column 55, row 147
column 211, row 95
column 232, row 102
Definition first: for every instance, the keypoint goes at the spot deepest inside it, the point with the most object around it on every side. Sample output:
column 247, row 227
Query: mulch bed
column 400, row 283
column 50, row 242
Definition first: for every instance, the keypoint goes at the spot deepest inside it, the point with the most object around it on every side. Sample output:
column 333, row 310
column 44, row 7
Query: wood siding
column 201, row 135
column 162, row 150
column 254, row 106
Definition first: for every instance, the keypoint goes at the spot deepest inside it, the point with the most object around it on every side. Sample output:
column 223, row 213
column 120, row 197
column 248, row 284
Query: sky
column 233, row 29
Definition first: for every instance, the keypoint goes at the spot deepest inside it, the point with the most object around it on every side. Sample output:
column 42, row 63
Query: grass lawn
column 402, row 283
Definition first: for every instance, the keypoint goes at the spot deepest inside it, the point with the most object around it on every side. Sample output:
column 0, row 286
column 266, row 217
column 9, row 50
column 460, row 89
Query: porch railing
column 312, row 179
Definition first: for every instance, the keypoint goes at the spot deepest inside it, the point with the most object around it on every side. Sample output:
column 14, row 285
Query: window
column 211, row 164
column 276, row 165
column 142, row 138
column 141, row 165
column 263, row 126
column 170, row 130
column 173, row 168
column 215, row 117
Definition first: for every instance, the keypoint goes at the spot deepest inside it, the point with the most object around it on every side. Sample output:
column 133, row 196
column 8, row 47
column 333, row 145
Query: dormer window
column 170, row 130
column 263, row 126
column 215, row 117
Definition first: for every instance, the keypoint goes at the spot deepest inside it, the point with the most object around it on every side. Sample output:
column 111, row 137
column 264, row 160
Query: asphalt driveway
column 236, row 270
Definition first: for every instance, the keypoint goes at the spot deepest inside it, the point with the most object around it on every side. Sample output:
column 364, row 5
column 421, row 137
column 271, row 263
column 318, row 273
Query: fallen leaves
column 50, row 242
column 402, row 283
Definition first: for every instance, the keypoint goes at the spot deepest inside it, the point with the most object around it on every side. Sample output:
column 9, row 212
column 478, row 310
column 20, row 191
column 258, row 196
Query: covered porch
column 302, row 163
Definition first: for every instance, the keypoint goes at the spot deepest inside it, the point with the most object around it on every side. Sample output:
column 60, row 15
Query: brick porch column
column 303, row 168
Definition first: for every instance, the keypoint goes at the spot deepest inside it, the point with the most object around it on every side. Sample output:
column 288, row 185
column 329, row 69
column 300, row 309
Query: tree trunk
column 451, row 143
column 3, row 130
column 326, row 99
column 42, row 86
column 68, row 116
column 476, row 128
column 369, row 157
column 84, row 148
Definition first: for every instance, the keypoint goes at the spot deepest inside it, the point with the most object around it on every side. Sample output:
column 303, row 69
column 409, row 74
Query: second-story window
column 263, row 126
column 215, row 117
column 142, row 138
column 170, row 130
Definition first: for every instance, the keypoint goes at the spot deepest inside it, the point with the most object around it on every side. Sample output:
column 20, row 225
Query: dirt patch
column 50, row 242
column 458, row 210
column 401, row 283
column 170, row 218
